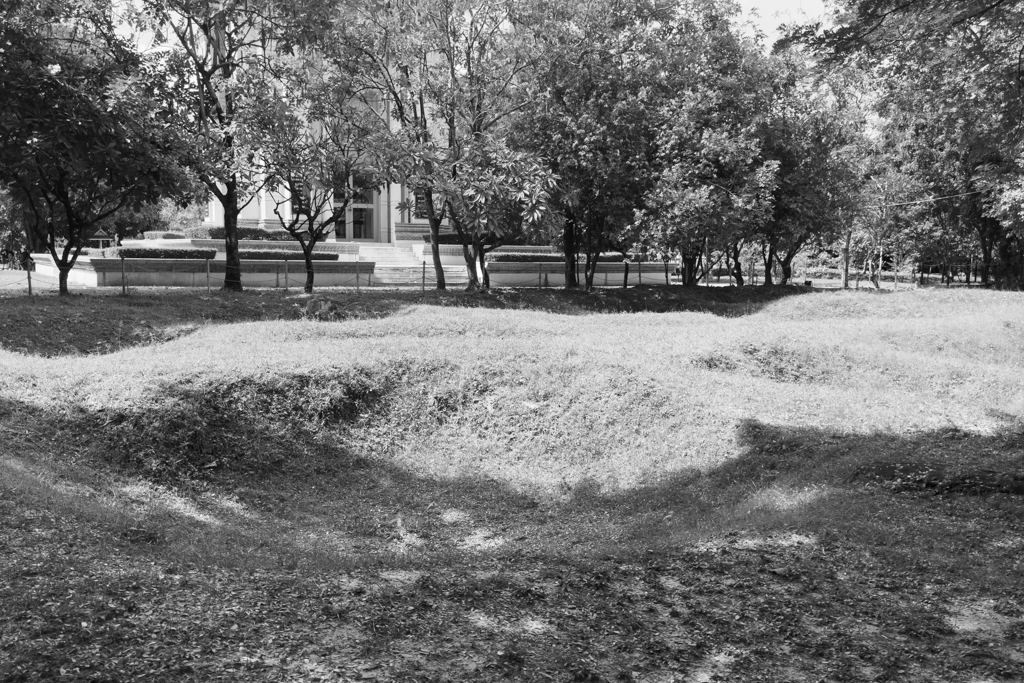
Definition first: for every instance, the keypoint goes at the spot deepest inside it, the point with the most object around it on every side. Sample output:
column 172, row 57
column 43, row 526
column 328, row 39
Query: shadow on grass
column 105, row 323
column 953, row 494
column 294, row 469
column 720, row 301
column 738, row 608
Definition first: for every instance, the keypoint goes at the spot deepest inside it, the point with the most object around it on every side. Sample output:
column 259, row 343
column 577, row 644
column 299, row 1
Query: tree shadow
column 99, row 323
column 719, row 301
column 930, row 498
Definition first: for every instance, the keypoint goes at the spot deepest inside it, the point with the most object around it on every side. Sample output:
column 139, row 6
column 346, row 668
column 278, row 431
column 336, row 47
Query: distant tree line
column 661, row 130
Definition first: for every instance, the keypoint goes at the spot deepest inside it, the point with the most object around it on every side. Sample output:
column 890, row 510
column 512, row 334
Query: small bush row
column 453, row 238
column 547, row 258
column 217, row 233
column 158, row 235
column 269, row 255
column 445, row 238
column 167, row 252
column 186, row 253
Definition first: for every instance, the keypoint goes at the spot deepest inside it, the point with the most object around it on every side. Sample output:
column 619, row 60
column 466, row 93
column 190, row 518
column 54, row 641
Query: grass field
column 647, row 485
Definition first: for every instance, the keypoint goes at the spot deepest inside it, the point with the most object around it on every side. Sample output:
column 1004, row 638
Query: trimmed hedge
column 445, row 238
column 217, row 233
column 268, row 255
column 168, row 252
column 525, row 258
column 157, row 235
column 186, row 253
column 548, row 258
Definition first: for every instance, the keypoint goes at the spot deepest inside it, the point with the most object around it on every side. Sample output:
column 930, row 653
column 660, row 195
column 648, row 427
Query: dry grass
column 432, row 434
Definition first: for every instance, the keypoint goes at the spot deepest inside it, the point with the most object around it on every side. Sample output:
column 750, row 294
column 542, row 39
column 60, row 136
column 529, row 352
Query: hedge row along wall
column 546, row 258
column 185, row 253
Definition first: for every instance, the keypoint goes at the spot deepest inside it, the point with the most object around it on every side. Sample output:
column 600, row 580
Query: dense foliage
column 166, row 252
column 891, row 141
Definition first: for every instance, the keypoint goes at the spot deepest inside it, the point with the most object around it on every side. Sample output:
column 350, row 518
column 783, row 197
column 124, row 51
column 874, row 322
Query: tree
column 211, row 47
column 79, row 136
column 716, row 187
column 594, row 120
column 811, row 133
column 313, row 133
column 953, row 72
column 453, row 72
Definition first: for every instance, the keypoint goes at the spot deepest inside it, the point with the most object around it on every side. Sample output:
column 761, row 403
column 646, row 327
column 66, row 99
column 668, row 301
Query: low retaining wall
column 347, row 251
column 107, row 272
column 553, row 274
column 451, row 254
column 414, row 232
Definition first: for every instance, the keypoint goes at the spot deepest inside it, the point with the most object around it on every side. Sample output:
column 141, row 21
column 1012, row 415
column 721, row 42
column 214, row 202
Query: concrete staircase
column 387, row 255
column 397, row 266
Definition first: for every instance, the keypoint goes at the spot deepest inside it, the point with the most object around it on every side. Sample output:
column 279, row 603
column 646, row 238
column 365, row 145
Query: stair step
column 416, row 276
column 388, row 255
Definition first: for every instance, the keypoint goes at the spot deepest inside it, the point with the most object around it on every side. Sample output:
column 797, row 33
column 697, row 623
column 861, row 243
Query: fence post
column 625, row 275
column 286, row 275
column 124, row 283
column 357, row 273
column 540, row 266
column 423, row 282
column 207, row 276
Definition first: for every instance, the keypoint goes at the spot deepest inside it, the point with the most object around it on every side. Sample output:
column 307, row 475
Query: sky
column 775, row 12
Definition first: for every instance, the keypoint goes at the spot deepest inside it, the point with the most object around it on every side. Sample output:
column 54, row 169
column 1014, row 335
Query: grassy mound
column 531, row 485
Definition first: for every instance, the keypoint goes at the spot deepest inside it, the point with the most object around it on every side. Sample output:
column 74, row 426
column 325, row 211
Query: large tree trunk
column 786, row 260
column 881, row 262
column 570, row 249
column 786, row 266
column 689, row 269
column 1010, row 276
column 66, row 260
column 478, row 254
column 988, row 231
column 469, row 255
column 308, row 288
column 737, row 265
column 435, row 253
column 846, row 260
column 594, row 250
column 307, row 255
column 769, row 261
column 232, row 265
column 468, row 252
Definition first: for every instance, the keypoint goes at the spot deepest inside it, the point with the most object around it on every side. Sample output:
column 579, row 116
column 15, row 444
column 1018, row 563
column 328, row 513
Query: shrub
column 445, row 238
column 547, row 258
column 200, row 233
column 168, row 252
column 281, row 255
column 217, row 233
column 525, row 258
column 158, row 235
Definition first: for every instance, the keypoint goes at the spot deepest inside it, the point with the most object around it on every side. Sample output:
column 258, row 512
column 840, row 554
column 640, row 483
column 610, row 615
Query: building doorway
column 360, row 214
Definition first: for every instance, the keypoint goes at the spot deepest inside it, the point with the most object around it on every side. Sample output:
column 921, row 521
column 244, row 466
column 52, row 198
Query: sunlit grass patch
column 505, row 490
column 757, row 416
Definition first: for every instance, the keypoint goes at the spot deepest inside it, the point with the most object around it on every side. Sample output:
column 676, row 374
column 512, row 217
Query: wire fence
column 127, row 275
